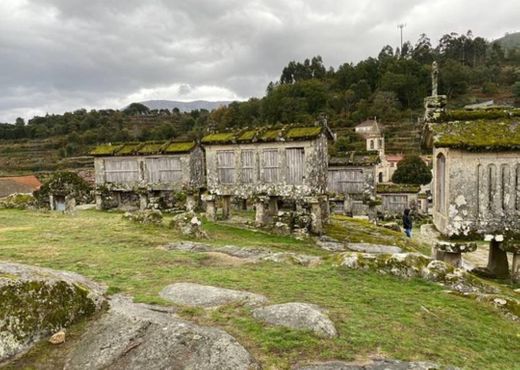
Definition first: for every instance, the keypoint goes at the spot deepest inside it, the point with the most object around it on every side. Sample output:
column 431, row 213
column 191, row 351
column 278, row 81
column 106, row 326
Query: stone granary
column 351, row 182
column 476, row 178
column 395, row 198
column 149, row 175
column 268, row 165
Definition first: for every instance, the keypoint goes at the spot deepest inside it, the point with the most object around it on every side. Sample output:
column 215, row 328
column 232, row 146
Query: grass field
column 374, row 314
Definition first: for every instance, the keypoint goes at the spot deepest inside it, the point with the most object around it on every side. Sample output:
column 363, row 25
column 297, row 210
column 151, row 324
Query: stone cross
column 435, row 78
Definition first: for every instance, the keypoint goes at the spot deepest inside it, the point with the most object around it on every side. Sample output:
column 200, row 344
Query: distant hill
column 184, row 106
column 510, row 41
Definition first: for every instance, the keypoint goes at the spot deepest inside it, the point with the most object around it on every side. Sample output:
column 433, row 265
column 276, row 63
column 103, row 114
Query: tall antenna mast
column 401, row 26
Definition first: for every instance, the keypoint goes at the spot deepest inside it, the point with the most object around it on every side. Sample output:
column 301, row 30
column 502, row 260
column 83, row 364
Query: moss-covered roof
column 355, row 158
column 397, row 188
column 105, row 149
column 179, row 147
column 491, row 113
column 151, row 148
column 170, row 147
column 129, row 149
column 285, row 133
column 478, row 135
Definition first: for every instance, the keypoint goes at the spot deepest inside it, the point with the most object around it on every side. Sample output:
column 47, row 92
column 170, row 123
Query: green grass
column 374, row 314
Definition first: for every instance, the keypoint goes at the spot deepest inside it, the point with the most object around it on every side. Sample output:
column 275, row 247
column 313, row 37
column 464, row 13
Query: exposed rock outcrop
column 410, row 265
column 373, row 248
column 133, row 336
column 249, row 254
column 190, row 294
column 295, row 315
column 329, row 244
column 36, row 302
column 148, row 216
column 374, row 365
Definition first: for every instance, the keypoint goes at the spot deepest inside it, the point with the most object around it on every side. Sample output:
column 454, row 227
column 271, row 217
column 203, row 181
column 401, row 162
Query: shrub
column 412, row 170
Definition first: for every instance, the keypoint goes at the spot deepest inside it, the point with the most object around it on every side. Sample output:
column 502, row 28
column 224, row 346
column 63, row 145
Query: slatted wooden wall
column 345, row 181
column 295, row 165
column 271, row 165
column 226, row 166
column 122, row 170
column 248, row 166
column 395, row 203
column 164, row 170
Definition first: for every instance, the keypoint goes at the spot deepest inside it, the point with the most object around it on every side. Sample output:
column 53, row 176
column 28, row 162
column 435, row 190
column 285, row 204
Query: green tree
column 412, row 170
column 136, row 108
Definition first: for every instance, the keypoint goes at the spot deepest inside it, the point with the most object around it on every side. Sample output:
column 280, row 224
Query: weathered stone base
column 498, row 265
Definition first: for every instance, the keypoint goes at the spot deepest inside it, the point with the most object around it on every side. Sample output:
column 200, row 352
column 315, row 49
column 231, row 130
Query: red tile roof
column 18, row 184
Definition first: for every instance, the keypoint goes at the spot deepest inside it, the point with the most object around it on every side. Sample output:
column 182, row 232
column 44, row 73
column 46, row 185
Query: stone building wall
column 476, row 192
column 272, row 181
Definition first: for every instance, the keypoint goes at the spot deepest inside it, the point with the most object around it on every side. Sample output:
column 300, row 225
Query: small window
column 226, row 167
column 371, row 144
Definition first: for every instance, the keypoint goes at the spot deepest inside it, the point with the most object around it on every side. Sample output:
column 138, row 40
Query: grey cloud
column 63, row 54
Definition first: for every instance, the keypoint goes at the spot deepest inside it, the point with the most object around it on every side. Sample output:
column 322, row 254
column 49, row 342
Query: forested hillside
column 390, row 86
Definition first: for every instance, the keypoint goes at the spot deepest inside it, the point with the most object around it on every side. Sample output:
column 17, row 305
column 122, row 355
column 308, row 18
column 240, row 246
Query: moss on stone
column 248, row 135
column 151, row 148
column 303, row 133
column 105, row 149
column 479, row 135
column 219, row 138
column 271, row 135
column 30, row 309
column 479, row 114
column 129, row 149
column 267, row 134
column 179, row 147
column 397, row 188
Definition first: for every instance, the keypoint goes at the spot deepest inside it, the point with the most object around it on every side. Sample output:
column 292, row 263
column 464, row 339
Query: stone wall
column 482, row 192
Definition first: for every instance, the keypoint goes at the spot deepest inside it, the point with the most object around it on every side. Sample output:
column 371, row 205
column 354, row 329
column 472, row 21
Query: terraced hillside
column 38, row 156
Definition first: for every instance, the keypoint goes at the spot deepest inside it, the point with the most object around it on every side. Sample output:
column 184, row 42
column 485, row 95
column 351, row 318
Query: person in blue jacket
column 407, row 223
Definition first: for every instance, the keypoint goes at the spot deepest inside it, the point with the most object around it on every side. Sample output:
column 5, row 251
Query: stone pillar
column 497, row 261
column 261, row 218
column 191, row 202
column 316, row 215
column 99, row 202
column 347, row 204
column 117, row 196
column 70, row 203
column 325, row 209
column 51, row 202
column 143, row 201
column 513, row 246
column 273, row 206
column 226, row 206
column 515, row 269
column 211, row 207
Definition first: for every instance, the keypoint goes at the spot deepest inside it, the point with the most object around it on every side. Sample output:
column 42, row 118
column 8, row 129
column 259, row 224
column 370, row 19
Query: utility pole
column 401, row 26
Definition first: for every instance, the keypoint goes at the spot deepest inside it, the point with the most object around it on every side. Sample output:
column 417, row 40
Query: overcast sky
column 60, row 55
